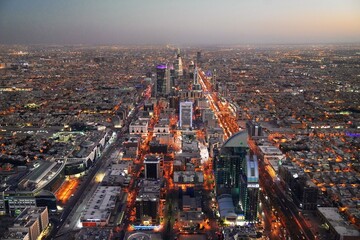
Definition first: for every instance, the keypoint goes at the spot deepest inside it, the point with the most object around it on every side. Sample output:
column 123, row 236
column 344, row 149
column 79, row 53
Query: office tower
column 147, row 202
column 173, row 81
column 191, row 69
column 196, row 82
column 254, row 129
column 198, row 57
column 249, row 188
column 178, row 65
column 304, row 191
column 214, row 76
column 162, row 84
column 152, row 167
column 228, row 171
column 174, row 103
column 186, row 114
column 146, row 207
column 228, row 164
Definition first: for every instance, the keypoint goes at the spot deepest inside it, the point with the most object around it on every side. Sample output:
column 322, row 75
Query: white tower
column 186, row 114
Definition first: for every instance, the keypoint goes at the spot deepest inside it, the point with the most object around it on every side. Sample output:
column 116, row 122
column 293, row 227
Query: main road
column 225, row 117
column 288, row 212
column 75, row 203
column 81, row 192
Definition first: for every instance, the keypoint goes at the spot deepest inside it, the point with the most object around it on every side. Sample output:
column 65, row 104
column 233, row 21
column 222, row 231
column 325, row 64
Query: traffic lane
column 290, row 207
column 91, row 177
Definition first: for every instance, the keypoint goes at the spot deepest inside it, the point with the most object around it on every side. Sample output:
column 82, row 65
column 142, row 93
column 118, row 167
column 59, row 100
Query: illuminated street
column 133, row 189
column 222, row 110
column 157, row 142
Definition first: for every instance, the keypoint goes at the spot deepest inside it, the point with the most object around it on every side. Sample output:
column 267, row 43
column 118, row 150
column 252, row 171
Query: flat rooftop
column 339, row 224
column 270, row 150
column 38, row 173
column 101, row 204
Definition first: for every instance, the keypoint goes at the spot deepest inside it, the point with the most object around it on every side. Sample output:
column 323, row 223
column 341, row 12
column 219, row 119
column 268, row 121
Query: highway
column 133, row 189
column 286, row 210
column 72, row 210
column 81, row 193
column 225, row 117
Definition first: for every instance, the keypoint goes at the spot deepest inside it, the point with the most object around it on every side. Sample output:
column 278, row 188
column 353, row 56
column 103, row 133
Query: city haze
column 179, row 22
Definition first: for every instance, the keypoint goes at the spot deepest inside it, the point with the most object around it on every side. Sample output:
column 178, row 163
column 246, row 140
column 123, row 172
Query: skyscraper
column 213, row 78
column 236, row 176
column 152, row 167
column 254, row 129
column 195, row 76
column 162, row 84
column 178, row 65
column 186, row 114
column 191, row 69
column 198, row 58
column 249, row 188
column 228, row 164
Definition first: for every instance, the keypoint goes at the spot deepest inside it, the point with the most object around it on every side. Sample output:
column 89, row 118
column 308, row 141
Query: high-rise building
column 186, row 114
column 152, row 167
column 254, row 129
column 147, row 202
column 229, row 172
column 228, row 164
column 173, row 81
column 162, row 84
column 174, row 103
column 198, row 57
column 249, row 188
column 191, row 69
column 213, row 78
column 196, row 76
column 303, row 191
column 178, row 65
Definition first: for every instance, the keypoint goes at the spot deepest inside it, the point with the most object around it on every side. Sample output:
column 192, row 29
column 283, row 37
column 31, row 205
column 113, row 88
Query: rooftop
column 101, row 204
column 238, row 139
column 339, row 224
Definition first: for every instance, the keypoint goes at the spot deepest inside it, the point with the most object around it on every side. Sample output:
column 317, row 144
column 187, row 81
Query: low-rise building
column 340, row 229
column 100, row 206
column 138, row 127
column 188, row 177
column 32, row 220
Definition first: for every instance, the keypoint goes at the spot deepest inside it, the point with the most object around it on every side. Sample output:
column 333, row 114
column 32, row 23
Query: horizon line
column 183, row 44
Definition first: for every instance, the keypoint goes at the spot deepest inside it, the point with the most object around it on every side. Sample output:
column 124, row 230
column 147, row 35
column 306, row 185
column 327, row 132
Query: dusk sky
column 179, row 22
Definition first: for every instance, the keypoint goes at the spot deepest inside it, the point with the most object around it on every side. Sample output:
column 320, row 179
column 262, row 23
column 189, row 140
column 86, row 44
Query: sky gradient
column 179, row 22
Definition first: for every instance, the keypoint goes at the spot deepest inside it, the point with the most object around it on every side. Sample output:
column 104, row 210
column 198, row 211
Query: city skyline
column 179, row 22
column 253, row 142
column 169, row 119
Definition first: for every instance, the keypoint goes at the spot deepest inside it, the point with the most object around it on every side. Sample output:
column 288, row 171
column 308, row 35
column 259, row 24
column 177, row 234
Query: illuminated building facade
column 186, row 114
column 236, row 176
column 249, row 188
column 178, row 65
column 228, row 164
column 147, row 202
column 162, row 85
